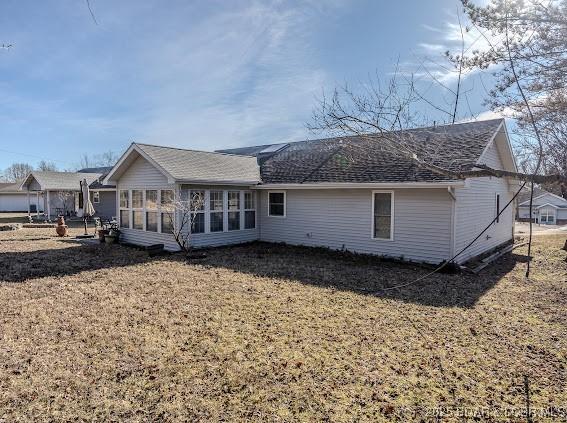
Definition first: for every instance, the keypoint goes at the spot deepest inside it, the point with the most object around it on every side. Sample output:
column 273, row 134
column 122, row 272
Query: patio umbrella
column 88, row 209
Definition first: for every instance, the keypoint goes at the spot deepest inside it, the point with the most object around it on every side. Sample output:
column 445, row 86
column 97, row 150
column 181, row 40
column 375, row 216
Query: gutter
column 372, row 185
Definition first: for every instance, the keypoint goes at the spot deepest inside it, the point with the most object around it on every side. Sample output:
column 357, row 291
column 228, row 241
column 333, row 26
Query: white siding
column 342, row 219
column 142, row 174
column 17, row 202
column 476, row 207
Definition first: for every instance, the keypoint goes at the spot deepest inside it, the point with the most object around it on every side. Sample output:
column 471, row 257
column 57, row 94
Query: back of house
column 348, row 193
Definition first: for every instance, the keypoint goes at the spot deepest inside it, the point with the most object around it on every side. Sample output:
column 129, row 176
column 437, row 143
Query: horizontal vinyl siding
column 342, row 219
column 107, row 205
column 142, row 174
column 476, row 207
column 17, row 202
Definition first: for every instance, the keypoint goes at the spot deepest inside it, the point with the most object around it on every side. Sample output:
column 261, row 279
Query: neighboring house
column 345, row 193
column 547, row 208
column 61, row 192
column 14, row 200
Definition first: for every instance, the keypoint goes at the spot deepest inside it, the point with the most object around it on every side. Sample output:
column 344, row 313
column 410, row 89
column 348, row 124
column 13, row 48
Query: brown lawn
column 264, row 332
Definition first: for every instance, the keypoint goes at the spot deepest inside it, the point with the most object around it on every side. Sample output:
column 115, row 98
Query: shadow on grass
column 77, row 257
column 362, row 274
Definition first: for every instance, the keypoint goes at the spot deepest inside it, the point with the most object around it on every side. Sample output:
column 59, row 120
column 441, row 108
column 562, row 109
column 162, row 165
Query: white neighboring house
column 14, row 200
column 342, row 193
column 59, row 192
column 547, row 209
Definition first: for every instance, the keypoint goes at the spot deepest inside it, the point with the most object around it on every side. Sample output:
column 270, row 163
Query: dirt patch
column 268, row 332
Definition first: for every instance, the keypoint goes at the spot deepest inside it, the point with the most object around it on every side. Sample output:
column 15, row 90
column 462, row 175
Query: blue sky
column 196, row 74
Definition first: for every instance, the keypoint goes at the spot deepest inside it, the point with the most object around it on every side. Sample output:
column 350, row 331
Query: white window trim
column 151, row 210
column 284, row 203
column 137, row 209
column 392, row 215
column 239, row 210
column 162, row 212
column 128, row 209
column 243, row 219
column 191, row 191
column 96, row 197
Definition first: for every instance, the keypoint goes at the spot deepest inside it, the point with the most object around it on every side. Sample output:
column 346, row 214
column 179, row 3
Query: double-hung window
column 276, row 203
column 124, row 208
column 233, row 210
column 166, row 212
column 249, row 210
column 382, row 215
column 96, row 197
column 197, row 210
column 216, row 211
column 151, row 210
column 137, row 209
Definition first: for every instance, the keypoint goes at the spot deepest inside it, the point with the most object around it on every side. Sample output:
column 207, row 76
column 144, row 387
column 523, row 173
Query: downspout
column 453, row 241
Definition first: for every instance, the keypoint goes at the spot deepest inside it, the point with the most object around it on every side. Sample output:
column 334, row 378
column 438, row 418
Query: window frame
column 200, row 212
column 284, row 204
column 96, row 197
column 244, row 210
column 212, row 211
column 126, row 209
column 392, row 215
column 162, row 212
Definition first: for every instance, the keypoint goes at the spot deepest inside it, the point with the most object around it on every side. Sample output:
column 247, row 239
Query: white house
column 547, row 208
column 14, row 200
column 346, row 193
column 59, row 193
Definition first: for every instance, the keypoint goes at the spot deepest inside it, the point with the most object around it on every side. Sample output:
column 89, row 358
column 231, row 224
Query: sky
column 201, row 74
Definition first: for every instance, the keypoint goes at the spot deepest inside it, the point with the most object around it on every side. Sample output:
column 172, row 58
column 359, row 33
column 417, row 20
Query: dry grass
column 260, row 332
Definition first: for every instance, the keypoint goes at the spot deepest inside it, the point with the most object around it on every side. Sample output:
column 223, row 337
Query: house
column 14, row 200
column 60, row 192
column 349, row 193
column 547, row 208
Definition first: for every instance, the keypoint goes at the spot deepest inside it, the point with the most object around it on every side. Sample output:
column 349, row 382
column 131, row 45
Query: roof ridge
column 192, row 149
column 341, row 137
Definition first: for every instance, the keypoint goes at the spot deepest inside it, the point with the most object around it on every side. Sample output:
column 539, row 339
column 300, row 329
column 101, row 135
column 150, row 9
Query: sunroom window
column 233, row 210
column 249, row 210
column 216, row 211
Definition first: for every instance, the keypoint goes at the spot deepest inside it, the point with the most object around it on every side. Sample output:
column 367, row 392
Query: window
column 151, row 199
column 197, row 207
column 382, row 224
column 96, row 197
column 166, row 197
column 137, row 198
column 137, row 219
column 233, row 210
column 151, row 221
column 124, row 218
column 497, row 208
column 124, row 213
column 276, row 204
column 167, row 223
column 216, row 208
column 124, row 203
column 166, row 212
column 249, row 210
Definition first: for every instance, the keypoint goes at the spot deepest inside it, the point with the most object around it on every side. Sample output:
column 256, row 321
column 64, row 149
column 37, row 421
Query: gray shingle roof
column 192, row 165
column 10, row 187
column 61, row 181
column 368, row 158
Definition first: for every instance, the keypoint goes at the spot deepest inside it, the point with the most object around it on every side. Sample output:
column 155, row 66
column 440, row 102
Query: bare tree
column 67, row 201
column 108, row 158
column 17, row 171
column 185, row 214
column 46, row 166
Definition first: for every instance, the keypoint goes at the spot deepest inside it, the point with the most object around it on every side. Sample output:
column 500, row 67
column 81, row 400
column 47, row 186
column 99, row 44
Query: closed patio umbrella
column 88, row 209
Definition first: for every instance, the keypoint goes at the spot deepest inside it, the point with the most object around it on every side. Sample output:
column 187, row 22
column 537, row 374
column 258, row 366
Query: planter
column 61, row 227
column 110, row 239
column 102, row 233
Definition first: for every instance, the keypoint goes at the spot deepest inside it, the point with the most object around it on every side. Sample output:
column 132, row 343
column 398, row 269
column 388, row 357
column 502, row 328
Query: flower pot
column 110, row 239
column 61, row 228
column 102, row 233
